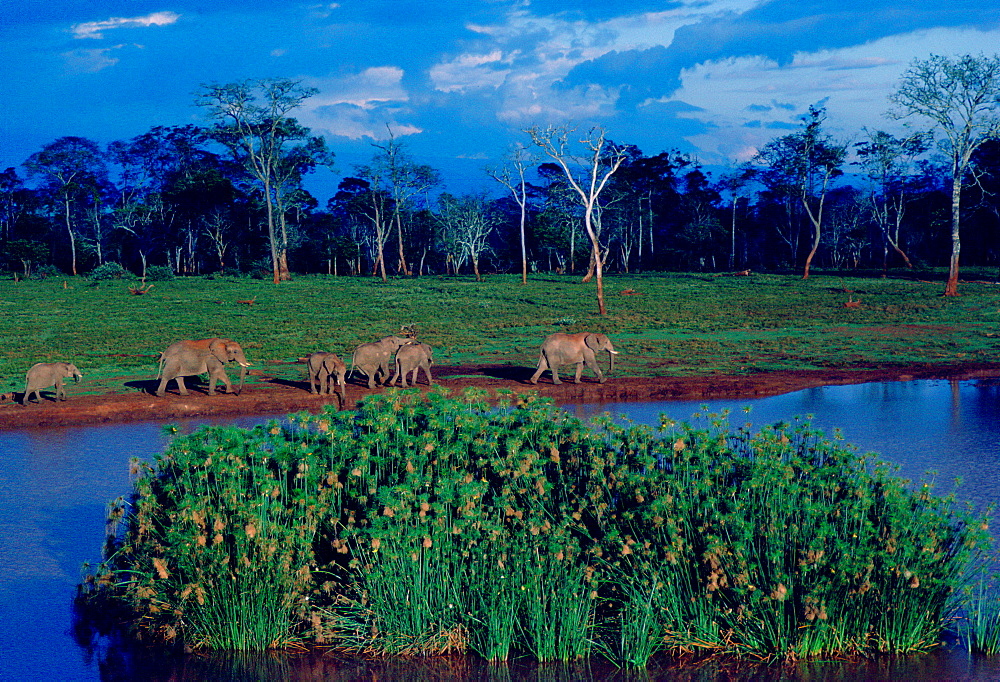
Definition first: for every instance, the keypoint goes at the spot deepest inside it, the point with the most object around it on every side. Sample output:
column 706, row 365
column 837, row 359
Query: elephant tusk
column 613, row 352
column 244, row 364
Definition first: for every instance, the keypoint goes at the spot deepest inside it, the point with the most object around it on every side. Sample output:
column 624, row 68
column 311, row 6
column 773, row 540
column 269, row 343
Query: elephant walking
column 44, row 374
column 574, row 349
column 190, row 358
column 411, row 358
column 374, row 358
column 324, row 369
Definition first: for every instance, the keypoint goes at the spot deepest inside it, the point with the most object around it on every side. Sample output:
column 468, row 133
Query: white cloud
column 738, row 96
column 95, row 29
column 466, row 72
column 525, row 56
column 91, row 61
column 360, row 105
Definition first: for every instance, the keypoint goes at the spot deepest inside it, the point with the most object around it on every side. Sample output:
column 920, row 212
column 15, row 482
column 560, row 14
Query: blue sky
column 458, row 80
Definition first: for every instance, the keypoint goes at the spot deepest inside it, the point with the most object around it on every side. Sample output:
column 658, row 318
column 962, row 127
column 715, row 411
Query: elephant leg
column 60, row 390
column 542, row 366
column 555, row 373
column 427, row 371
column 312, row 386
column 215, row 377
column 162, row 388
column 579, row 372
column 395, row 377
column 592, row 364
column 181, row 388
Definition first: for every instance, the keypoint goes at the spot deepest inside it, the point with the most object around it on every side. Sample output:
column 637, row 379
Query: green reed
column 979, row 625
column 420, row 525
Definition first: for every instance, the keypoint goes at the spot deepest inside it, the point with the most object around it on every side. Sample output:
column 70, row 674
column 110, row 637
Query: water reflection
column 55, row 485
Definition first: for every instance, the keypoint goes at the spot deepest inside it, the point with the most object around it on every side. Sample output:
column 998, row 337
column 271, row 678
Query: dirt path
column 280, row 397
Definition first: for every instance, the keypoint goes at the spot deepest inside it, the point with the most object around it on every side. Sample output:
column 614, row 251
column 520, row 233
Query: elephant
column 324, row 369
column 411, row 358
column 374, row 358
column 189, row 358
column 574, row 349
column 45, row 374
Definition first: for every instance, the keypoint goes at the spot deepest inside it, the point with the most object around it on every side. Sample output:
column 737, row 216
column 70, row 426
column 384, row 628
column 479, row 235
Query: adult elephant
column 374, row 358
column 411, row 358
column 190, row 358
column 574, row 349
column 324, row 370
column 44, row 374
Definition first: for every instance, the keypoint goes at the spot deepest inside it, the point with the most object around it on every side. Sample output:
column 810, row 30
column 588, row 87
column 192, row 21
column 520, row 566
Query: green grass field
column 663, row 324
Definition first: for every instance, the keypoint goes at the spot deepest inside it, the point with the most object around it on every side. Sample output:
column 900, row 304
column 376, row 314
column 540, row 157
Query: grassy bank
column 673, row 324
column 420, row 526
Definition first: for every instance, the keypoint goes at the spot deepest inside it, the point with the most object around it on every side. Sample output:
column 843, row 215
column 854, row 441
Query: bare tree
column 587, row 172
column 511, row 176
column 962, row 98
column 467, row 223
column 404, row 179
column 888, row 162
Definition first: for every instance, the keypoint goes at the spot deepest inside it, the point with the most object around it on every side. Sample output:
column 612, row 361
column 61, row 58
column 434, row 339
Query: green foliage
column 107, row 271
column 45, row 271
column 979, row 624
column 425, row 525
column 159, row 273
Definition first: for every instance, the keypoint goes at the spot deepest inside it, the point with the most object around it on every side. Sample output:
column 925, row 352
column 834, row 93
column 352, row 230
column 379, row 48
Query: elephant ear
column 218, row 349
column 593, row 341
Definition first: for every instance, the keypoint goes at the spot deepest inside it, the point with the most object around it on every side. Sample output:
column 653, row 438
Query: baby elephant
column 324, row 369
column 410, row 358
column 45, row 374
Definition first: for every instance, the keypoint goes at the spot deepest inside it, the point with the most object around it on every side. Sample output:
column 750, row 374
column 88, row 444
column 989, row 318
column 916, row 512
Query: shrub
column 159, row 273
column 44, row 271
column 422, row 525
column 107, row 271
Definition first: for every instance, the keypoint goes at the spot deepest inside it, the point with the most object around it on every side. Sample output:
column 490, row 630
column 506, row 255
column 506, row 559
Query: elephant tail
column 159, row 368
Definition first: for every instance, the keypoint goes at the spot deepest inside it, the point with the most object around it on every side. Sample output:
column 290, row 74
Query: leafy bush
column 108, row 271
column 159, row 273
column 45, row 271
column 422, row 525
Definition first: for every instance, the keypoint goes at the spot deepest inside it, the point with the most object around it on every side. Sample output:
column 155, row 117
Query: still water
column 55, row 485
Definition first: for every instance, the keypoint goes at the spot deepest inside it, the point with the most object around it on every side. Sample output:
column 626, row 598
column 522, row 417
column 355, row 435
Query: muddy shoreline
column 278, row 397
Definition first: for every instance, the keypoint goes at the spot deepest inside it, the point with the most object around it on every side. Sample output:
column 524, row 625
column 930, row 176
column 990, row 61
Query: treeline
column 230, row 198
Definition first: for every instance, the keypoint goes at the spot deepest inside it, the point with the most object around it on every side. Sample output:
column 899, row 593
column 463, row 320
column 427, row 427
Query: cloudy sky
column 459, row 80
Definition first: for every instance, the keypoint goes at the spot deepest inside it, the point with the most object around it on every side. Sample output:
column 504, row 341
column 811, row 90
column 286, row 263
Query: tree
column 254, row 125
column 72, row 169
column 404, row 179
column 888, row 161
column 961, row 96
column 466, row 223
column 587, row 172
column 806, row 161
column 737, row 183
column 511, row 176
column 377, row 207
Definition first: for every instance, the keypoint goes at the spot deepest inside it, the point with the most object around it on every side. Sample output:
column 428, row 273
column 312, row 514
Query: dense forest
column 229, row 197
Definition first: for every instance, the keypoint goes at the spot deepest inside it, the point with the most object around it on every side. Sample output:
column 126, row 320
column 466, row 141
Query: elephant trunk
column 243, row 376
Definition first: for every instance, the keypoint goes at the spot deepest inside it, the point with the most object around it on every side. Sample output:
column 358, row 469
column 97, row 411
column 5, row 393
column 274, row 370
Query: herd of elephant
column 408, row 356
